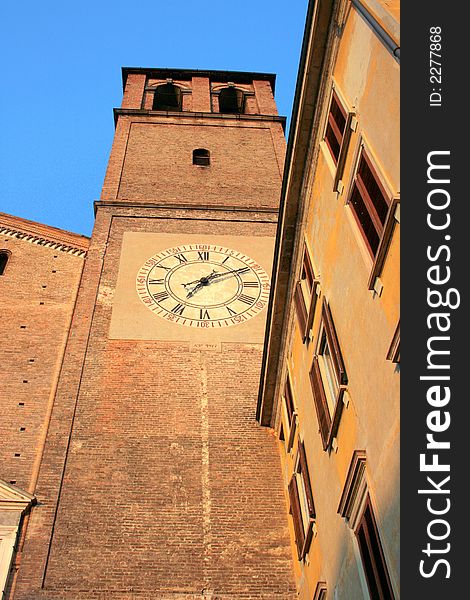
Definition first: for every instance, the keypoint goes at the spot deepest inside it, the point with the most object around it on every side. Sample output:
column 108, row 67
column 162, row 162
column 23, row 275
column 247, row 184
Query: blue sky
column 61, row 78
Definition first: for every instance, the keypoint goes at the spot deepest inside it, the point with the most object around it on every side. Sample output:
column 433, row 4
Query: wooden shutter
column 306, row 478
column 337, row 357
column 321, row 405
column 296, row 516
column 300, row 309
column 335, row 128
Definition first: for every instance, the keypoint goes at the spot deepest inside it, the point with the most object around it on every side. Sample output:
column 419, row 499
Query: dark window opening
column 373, row 559
column 336, row 127
column 305, row 296
column 201, row 157
column 370, row 204
column 231, row 100
column 4, row 256
column 167, row 97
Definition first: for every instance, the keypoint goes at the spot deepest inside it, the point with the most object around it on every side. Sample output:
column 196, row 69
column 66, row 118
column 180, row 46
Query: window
column 4, row 257
column 289, row 415
column 393, row 353
column 340, row 124
column 302, row 507
column 167, row 97
column 356, row 507
column 305, row 295
column 336, row 127
column 375, row 211
column 320, row 591
column 369, row 203
column 201, row 157
column 231, row 100
column 375, row 569
column 328, row 378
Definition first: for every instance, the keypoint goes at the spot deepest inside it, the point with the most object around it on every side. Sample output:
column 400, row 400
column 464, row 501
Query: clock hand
column 215, row 275
column 203, row 281
column 194, row 290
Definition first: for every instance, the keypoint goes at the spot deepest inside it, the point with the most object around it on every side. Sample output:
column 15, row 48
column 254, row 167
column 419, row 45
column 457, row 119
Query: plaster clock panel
column 194, row 288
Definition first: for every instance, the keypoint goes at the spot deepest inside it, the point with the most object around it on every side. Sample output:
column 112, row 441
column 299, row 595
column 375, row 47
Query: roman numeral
column 178, row 309
column 225, row 260
column 160, row 296
column 230, row 311
column 203, row 314
column 203, row 255
column 159, row 281
column 246, row 299
column 162, row 267
column 181, row 257
column 250, row 284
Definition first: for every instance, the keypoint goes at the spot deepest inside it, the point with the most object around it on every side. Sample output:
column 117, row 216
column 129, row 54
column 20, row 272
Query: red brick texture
column 158, row 166
column 37, row 297
column 166, row 472
column 134, row 90
column 201, row 101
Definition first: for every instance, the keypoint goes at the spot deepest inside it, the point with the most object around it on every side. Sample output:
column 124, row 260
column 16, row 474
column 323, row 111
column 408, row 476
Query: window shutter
column 301, row 309
column 321, row 405
column 334, row 344
column 296, row 516
column 306, row 478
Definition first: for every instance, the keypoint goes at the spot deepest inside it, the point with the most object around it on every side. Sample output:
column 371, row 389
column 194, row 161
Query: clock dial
column 203, row 285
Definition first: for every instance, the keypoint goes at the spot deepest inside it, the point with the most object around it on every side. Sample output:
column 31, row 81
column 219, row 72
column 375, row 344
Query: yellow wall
column 366, row 77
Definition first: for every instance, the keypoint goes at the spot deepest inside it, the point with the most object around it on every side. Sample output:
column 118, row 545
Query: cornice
column 140, row 112
column 43, row 235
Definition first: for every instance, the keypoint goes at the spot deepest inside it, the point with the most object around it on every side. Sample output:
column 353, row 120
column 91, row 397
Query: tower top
column 187, row 74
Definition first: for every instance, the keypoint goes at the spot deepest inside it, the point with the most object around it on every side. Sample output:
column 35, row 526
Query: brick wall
column 37, row 296
column 170, row 488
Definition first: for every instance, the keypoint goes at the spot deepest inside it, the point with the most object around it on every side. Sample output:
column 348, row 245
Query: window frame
column 349, row 126
column 178, row 95
column 354, row 503
column 305, row 295
column 240, row 96
column 7, row 254
column 372, row 555
column 289, row 413
column 329, row 401
column 384, row 230
column 320, row 591
column 393, row 353
column 201, row 157
column 304, row 521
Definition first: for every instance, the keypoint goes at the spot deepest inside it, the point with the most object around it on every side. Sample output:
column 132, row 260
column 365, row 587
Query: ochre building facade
column 330, row 380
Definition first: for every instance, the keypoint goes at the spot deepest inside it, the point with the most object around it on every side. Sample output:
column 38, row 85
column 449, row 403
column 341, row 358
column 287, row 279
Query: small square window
column 201, row 157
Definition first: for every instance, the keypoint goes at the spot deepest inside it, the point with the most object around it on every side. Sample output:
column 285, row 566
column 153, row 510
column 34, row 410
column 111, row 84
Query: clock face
column 203, row 285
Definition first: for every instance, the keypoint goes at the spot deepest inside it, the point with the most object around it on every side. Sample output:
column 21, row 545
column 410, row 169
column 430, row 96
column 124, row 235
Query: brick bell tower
column 156, row 481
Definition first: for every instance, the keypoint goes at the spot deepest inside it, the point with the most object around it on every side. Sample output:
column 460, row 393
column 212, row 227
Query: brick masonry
column 37, row 297
column 156, row 480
